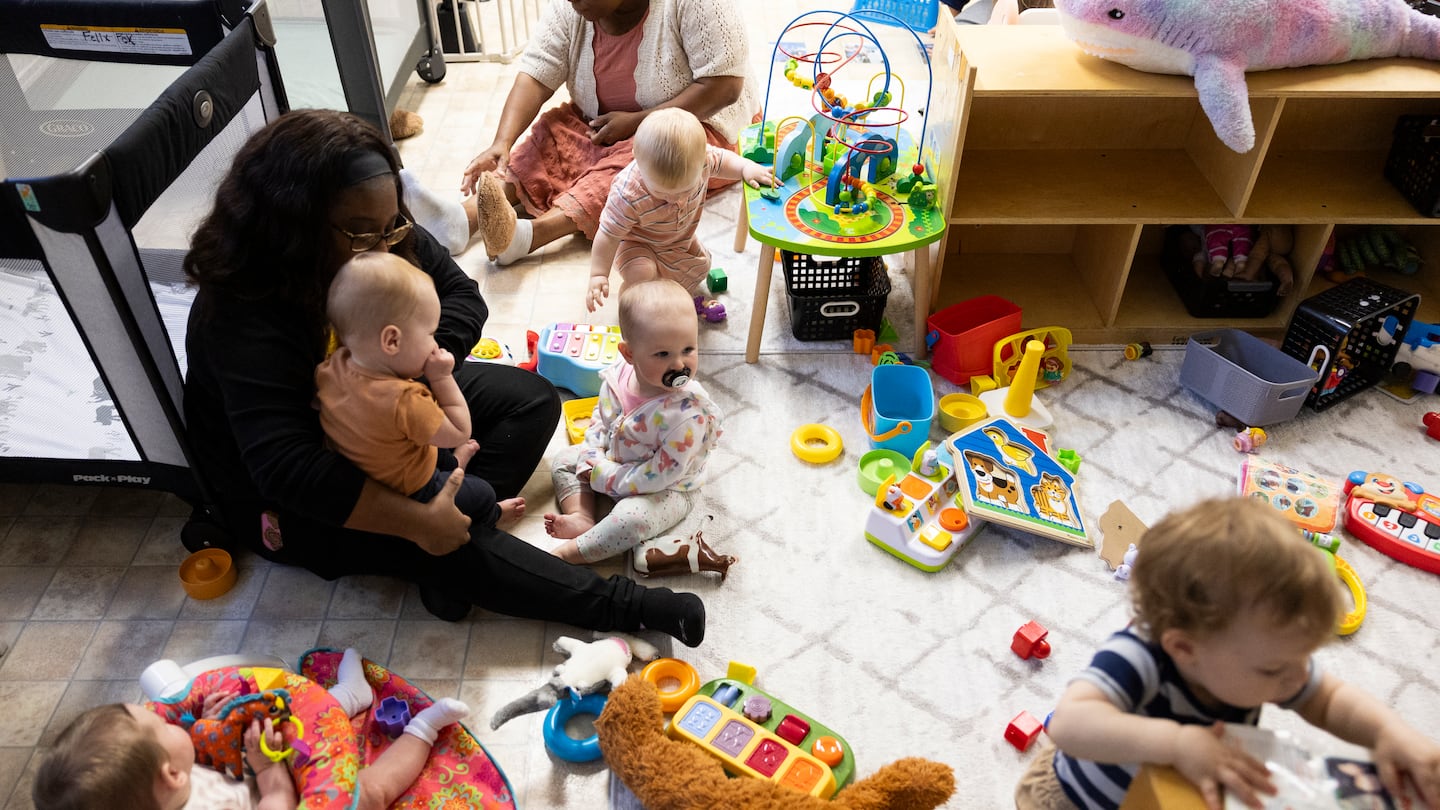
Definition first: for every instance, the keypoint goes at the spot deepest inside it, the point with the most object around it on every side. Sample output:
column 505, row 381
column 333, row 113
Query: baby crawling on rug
column 124, row 755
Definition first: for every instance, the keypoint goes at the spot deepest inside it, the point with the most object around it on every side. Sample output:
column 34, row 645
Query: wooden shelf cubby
column 1058, row 172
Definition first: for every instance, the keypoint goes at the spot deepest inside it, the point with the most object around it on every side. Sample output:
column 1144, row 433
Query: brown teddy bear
column 677, row 775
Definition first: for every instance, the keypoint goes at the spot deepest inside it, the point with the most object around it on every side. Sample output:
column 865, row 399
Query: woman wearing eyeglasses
column 303, row 196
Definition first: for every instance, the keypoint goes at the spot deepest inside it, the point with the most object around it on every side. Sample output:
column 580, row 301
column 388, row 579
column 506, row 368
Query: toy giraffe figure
column 218, row 741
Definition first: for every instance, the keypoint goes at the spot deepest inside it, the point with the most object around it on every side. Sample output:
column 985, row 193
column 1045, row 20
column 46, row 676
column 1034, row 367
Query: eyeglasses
column 361, row 242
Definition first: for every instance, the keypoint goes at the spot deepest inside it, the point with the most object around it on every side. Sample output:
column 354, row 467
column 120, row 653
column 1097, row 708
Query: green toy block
column 1069, row 459
column 887, row 332
column 716, row 280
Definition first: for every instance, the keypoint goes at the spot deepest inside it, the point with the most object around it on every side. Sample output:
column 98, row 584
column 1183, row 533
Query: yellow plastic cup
column 959, row 411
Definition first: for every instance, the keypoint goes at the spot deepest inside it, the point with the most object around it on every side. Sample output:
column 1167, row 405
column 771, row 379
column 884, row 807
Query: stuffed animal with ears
column 1217, row 41
column 590, row 667
column 677, row 775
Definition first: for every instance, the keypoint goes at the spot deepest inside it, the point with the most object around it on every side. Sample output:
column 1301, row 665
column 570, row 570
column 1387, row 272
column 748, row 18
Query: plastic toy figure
column 708, row 308
column 1122, row 571
column 894, row 498
column 1249, row 440
column 929, row 463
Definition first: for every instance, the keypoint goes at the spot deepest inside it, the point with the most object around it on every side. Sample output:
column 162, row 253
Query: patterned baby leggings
column 634, row 519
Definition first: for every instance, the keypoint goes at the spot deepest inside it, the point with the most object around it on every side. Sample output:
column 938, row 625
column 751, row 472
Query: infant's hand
column 253, row 755
column 1204, row 759
column 440, row 363
column 210, row 708
column 755, row 175
column 599, row 291
column 1401, row 751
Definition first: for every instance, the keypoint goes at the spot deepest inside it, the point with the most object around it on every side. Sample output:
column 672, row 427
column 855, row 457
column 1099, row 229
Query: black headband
column 361, row 165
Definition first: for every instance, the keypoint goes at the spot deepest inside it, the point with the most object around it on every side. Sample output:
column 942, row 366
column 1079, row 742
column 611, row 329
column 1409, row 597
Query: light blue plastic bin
column 897, row 408
column 1246, row 377
column 917, row 15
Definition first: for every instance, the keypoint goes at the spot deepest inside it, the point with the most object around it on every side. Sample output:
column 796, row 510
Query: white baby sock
column 444, row 219
column 352, row 690
column 519, row 245
column 427, row 724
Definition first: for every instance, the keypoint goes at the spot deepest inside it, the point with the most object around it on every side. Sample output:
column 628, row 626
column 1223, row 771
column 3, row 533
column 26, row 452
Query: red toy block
column 1023, row 730
column 1029, row 641
column 1432, row 424
column 792, row 729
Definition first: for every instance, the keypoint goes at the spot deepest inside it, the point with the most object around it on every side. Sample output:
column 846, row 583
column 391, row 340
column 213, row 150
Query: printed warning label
column 161, row 41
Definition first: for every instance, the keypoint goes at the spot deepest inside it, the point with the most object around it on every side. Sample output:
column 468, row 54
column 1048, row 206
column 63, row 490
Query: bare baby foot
column 568, row 527
column 511, row 510
column 465, row 452
column 569, row 551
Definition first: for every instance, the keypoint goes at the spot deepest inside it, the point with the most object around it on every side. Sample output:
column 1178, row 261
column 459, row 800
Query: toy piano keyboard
column 1396, row 518
column 572, row 354
column 781, row 744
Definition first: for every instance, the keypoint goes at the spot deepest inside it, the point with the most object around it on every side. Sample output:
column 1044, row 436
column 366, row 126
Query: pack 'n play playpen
column 119, row 120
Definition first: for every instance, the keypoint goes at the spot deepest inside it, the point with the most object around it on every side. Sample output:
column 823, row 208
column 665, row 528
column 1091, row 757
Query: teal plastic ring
column 562, row 744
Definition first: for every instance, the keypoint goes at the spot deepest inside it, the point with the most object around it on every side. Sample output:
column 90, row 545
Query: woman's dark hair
column 267, row 237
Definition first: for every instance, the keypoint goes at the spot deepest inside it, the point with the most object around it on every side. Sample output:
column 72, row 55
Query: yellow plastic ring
column 828, row 450
column 280, row 756
column 1352, row 620
column 662, row 669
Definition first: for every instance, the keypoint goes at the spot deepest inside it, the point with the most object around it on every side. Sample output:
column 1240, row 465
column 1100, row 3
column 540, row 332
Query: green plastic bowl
column 877, row 465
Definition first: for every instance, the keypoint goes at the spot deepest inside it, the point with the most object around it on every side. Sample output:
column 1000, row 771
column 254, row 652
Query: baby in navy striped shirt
column 1230, row 603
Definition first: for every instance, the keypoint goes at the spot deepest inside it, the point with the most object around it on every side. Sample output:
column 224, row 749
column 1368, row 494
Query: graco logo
column 66, row 128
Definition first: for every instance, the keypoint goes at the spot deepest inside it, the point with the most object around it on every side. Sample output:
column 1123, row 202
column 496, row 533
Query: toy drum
column 897, row 408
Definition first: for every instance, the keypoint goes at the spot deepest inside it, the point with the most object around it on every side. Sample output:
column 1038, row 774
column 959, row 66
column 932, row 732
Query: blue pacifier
column 677, row 378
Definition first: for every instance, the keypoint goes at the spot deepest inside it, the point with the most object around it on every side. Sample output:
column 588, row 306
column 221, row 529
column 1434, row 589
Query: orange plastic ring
column 662, row 669
column 802, row 443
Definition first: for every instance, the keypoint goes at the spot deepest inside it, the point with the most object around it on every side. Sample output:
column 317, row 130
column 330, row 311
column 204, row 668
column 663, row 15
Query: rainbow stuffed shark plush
column 1217, row 41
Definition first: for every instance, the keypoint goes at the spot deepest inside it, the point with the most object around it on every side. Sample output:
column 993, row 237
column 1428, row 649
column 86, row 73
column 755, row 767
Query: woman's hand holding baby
column 1202, row 756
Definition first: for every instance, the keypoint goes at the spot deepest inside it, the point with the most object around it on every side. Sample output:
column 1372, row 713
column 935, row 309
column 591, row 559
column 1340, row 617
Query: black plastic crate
column 1414, row 162
column 830, row 299
column 1213, row 297
column 1361, row 324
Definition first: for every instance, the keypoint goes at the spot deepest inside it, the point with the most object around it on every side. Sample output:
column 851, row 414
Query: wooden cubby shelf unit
column 1059, row 172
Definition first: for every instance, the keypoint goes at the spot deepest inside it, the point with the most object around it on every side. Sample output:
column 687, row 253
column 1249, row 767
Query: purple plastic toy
column 392, row 715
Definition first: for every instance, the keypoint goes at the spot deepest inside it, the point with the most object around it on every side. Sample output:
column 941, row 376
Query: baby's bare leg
column 638, row 269
column 465, row 452
column 511, row 510
column 392, row 773
column 395, row 770
column 577, row 515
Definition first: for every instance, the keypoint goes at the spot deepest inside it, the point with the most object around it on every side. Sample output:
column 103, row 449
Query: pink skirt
column 558, row 167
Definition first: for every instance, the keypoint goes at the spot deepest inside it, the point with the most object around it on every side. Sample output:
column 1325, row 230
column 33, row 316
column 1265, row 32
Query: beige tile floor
column 88, row 587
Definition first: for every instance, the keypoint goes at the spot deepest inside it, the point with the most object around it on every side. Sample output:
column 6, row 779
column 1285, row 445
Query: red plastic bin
column 964, row 335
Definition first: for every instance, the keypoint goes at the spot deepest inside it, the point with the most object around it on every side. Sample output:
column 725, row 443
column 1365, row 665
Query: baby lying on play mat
column 129, row 756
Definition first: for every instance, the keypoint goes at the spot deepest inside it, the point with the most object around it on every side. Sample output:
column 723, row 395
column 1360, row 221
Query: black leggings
column 513, row 416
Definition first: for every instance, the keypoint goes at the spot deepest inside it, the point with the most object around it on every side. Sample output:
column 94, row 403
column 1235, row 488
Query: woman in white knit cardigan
column 619, row 59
